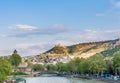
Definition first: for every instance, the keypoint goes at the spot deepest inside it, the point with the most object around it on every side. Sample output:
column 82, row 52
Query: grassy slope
column 111, row 52
column 86, row 49
column 82, row 47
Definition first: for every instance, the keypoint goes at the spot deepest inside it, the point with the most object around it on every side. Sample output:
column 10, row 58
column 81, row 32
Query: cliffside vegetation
column 90, row 48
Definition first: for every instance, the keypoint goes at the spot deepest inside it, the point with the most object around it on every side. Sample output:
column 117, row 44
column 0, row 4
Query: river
column 56, row 79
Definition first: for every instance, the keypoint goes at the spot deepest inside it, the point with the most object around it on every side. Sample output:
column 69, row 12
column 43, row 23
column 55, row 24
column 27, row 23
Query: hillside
column 86, row 49
column 59, row 49
column 110, row 52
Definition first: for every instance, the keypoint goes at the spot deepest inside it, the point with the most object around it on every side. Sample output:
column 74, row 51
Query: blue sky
column 34, row 26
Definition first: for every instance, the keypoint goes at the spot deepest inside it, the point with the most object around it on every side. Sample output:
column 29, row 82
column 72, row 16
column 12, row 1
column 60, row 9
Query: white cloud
column 33, row 48
column 114, row 5
column 117, row 4
column 91, row 31
column 58, row 26
column 27, row 49
column 90, row 35
column 107, row 12
column 5, row 52
column 55, row 28
column 113, row 31
column 100, row 14
column 22, row 27
column 28, row 30
column 68, row 38
column 2, row 35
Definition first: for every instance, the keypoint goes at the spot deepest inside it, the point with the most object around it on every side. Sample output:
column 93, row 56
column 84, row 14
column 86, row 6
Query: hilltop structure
column 15, row 52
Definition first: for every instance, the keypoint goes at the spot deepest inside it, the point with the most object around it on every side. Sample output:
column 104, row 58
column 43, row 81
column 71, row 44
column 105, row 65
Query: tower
column 15, row 51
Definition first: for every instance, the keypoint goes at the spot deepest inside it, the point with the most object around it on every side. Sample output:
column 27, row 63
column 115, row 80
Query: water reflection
column 55, row 79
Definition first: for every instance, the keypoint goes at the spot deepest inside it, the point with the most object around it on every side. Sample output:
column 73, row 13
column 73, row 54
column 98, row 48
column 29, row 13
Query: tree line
column 7, row 65
column 96, row 64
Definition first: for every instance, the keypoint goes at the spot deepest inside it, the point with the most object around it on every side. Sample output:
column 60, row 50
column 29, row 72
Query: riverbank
column 58, row 79
column 72, row 75
column 91, row 77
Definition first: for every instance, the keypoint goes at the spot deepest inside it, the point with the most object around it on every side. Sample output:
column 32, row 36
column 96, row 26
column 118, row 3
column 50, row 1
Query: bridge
column 38, row 73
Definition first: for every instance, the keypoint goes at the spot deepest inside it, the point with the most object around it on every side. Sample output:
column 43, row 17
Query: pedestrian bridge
column 35, row 74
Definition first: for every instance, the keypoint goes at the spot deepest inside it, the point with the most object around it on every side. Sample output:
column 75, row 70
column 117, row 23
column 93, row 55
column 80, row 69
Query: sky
column 34, row 26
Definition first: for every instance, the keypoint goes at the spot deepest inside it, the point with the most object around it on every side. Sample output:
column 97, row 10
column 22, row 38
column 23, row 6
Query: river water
column 55, row 79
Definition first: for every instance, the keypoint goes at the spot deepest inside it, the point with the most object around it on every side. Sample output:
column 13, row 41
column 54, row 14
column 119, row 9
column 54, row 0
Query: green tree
column 51, row 67
column 62, row 67
column 97, row 64
column 109, row 63
column 5, row 69
column 38, row 67
column 59, row 66
column 73, row 65
column 3, row 77
column 116, row 62
column 29, row 63
column 15, row 60
column 83, row 66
